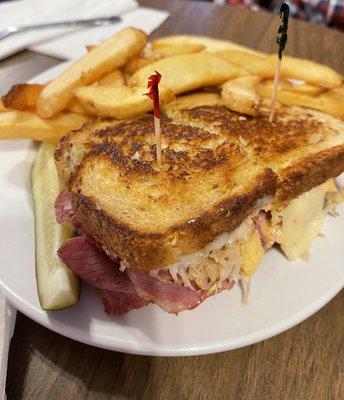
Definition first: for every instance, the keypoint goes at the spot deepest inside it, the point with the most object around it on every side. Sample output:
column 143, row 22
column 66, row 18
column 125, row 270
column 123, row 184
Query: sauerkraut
column 223, row 260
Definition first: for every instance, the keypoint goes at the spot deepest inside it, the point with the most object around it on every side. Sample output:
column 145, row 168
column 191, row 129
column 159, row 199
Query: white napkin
column 72, row 46
column 30, row 12
column 7, row 322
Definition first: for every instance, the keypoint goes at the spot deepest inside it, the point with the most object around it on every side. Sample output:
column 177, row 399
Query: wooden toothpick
column 153, row 86
column 282, row 38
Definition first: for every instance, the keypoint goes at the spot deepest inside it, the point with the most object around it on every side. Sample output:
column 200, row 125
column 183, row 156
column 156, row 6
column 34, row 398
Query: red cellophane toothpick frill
column 153, row 86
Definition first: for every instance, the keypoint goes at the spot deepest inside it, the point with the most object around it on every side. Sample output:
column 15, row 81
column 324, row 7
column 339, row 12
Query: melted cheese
column 252, row 253
column 302, row 221
column 237, row 255
column 231, row 256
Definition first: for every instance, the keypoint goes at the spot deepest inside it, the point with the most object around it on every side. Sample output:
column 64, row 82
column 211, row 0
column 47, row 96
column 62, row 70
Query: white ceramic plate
column 283, row 293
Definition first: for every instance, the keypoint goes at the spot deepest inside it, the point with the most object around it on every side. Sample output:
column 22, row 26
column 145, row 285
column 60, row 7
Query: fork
column 63, row 24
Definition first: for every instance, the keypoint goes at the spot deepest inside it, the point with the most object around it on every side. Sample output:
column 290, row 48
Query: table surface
column 306, row 362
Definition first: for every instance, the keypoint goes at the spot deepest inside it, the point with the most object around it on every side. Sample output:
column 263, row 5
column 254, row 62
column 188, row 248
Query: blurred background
column 324, row 12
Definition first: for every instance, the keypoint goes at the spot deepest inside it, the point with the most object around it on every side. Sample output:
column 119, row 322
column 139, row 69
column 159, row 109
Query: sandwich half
column 229, row 188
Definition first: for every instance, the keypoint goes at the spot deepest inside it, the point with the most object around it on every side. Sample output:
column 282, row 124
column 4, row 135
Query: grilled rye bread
column 148, row 217
column 302, row 146
column 218, row 169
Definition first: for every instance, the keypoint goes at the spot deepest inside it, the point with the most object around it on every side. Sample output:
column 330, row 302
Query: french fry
column 27, row 125
column 178, row 49
column 135, row 64
column 265, row 88
column 22, row 96
column 236, row 71
column 114, row 78
column 325, row 102
column 103, row 59
column 330, row 102
column 2, row 107
column 211, row 45
column 76, row 107
column 148, row 51
column 193, row 100
column 308, row 71
column 119, row 102
column 292, row 68
column 240, row 95
column 253, row 63
column 335, row 95
column 90, row 47
column 333, row 100
column 303, row 88
column 185, row 72
column 149, row 55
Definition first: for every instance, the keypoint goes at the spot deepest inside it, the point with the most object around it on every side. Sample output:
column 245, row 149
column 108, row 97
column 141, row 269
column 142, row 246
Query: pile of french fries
column 111, row 78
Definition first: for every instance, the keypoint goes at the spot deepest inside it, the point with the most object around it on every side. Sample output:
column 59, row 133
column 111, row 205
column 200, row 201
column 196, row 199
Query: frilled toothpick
column 281, row 41
column 153, row 86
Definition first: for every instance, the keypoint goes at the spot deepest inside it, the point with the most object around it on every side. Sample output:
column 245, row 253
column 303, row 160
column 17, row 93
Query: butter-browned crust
column 148, row 216
column 150, row 250
column 304, row 147
column 310, row 172
column 218, row 167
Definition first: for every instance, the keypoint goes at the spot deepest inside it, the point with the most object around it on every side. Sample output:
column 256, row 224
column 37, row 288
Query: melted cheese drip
column 237, row 255
column 252, row 253
column 302, row 220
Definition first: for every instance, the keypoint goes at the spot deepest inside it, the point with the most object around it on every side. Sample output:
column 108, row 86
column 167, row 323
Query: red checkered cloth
column 327, row 12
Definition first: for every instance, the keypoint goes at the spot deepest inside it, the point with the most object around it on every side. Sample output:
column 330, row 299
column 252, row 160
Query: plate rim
column 134, row 348
column 87, row 337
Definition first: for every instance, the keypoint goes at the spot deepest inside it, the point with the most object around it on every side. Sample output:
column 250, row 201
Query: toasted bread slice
column 303, row 147
column 218, row 169
column 207, row 185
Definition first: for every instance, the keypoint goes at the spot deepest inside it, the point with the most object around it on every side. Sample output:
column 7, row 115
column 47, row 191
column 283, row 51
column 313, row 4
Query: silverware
column 7, row 322
column 64, row 24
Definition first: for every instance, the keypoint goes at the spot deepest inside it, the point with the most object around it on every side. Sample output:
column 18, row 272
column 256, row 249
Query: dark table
column 306, row 362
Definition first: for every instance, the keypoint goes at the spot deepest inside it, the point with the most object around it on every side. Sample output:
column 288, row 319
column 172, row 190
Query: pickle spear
column 57, row 285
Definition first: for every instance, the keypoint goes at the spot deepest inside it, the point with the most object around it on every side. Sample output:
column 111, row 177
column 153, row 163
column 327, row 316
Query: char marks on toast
column 304, row 147
column 149, row 217
column 217, row 166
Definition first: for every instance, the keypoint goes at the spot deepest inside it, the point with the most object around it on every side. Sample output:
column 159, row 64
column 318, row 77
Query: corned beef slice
column 97, row 269
column 120, row 302
column 169, row 296
column 63, row 208
column 121, row 291
column 93, row 265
